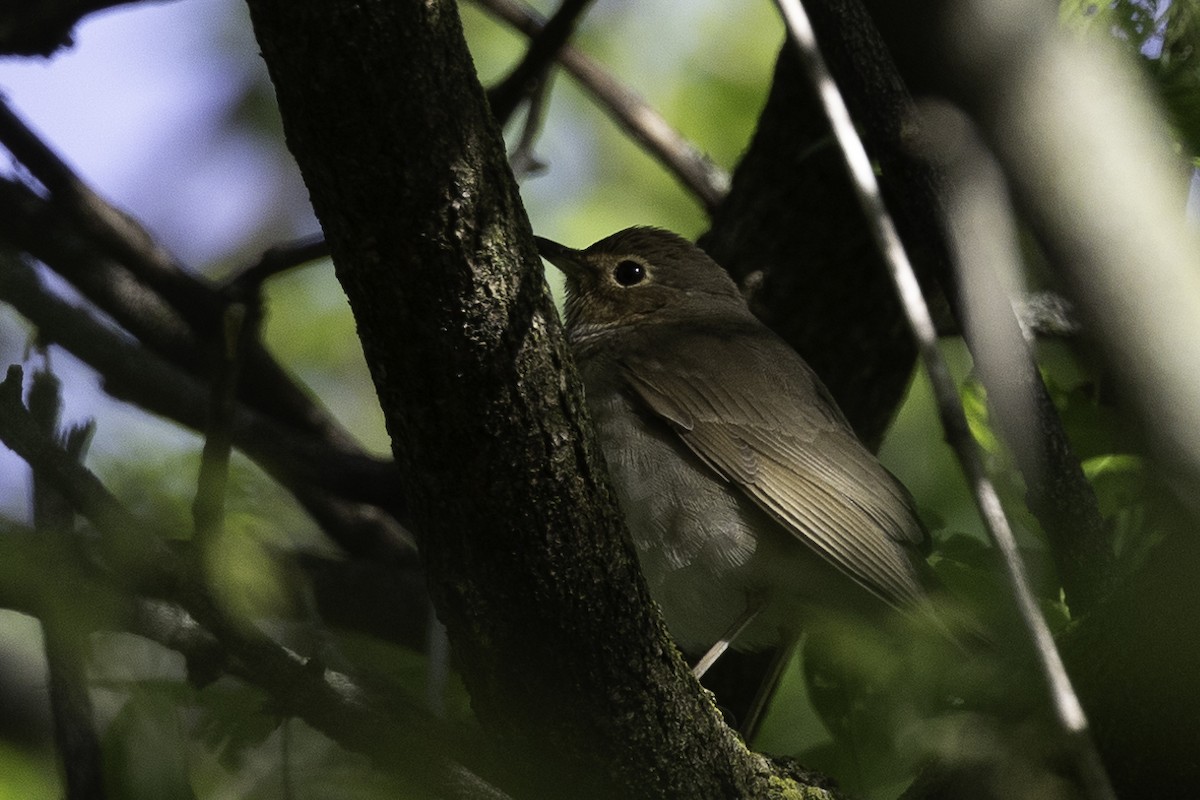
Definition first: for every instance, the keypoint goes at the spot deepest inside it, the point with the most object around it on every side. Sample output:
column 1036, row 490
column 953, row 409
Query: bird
column 751, row 503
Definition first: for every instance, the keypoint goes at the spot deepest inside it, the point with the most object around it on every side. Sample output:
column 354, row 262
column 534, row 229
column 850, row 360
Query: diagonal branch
column 41, row 28
column 987, row 251
column 708, row 182
column 1068, row 710
column 544, row 48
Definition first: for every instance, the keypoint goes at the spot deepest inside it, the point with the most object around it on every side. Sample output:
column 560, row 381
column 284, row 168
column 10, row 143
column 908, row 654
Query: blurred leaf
column 145, row 748
column 246, row 577
column 974, row 400
column 1119, row 480
column 25, row 775
column 233, row 719
column 876, row 685
column 1177, row 72
column 1164, row 38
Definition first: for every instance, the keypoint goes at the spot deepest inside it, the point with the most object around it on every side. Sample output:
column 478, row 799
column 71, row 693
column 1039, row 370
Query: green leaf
column 234, row 719
column 145, row 748
column 1119, row 480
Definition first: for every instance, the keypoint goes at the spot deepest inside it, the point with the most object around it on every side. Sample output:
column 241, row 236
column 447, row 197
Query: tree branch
column 65, row 648
column 695, row 171
column 1057, row 492
column 544, row 48
column 41, row 28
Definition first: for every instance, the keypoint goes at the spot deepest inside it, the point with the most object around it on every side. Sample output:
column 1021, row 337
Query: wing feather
column 766, row 424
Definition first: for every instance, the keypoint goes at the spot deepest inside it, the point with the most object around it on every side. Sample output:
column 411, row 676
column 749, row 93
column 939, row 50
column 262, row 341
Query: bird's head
column 636, row 276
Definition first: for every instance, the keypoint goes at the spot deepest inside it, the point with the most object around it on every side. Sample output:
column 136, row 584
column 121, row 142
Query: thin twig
column 522, row 159
column 208, row 509
column 632, row 114
column 543, row 49
column 130, row 545
column 70, row 702
column 280, row 258
column 1068, row 711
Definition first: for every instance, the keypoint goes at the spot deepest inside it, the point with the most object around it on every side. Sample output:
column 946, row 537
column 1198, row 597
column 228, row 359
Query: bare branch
column 708, row 182
column 274, row 261
column 543, row 50
column 522, row 158
column 208, row 509
column 1068, row 711
column 65, row 648
column 41, row 28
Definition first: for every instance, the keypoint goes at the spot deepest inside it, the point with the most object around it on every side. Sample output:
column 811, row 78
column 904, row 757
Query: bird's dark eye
column 629, row 273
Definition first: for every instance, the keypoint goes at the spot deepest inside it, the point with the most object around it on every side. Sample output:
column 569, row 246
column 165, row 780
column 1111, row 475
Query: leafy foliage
column 1165, row 36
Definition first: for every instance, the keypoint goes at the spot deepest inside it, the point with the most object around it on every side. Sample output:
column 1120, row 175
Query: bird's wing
column 770, row 428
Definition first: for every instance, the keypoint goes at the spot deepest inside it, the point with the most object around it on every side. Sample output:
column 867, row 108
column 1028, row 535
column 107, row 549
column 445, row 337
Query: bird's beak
column 566, row 259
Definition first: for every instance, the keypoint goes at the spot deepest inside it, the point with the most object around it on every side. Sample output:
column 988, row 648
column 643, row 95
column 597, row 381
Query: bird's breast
column 695, row 536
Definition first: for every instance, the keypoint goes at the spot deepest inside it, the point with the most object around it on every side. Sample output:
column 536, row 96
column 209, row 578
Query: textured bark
column 567, row 664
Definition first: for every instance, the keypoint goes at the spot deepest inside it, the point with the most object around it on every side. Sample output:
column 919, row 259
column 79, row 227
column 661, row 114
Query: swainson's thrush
column 745, row 490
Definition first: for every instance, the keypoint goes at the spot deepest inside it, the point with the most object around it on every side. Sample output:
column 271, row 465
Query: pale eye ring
column 629, row 272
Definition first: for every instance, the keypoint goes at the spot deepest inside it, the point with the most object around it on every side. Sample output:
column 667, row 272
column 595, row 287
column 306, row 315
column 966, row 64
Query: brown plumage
column 741, row 481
